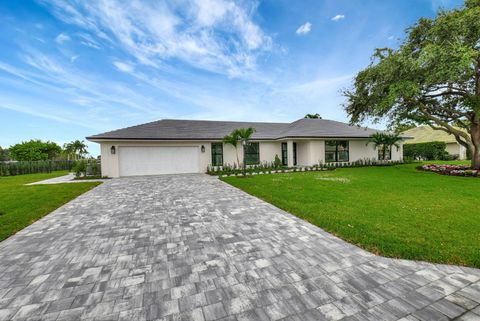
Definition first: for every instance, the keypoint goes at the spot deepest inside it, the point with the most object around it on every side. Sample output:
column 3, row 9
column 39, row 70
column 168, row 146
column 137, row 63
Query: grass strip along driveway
column 394, row 211
column 22, row 205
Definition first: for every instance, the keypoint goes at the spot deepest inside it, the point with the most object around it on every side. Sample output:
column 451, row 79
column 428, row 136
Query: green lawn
column 22, row 205
column 394, row 211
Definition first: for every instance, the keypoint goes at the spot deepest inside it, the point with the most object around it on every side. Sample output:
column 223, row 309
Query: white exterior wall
column 303, row 153
column 309, row 152
column 268, row 150
column 360, row 150
column 454, row 149
column 312, row 151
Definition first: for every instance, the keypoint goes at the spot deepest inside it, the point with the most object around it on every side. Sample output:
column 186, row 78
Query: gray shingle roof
column 177, row 129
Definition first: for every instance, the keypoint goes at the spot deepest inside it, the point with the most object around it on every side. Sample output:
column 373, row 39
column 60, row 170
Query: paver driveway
column 193, row 248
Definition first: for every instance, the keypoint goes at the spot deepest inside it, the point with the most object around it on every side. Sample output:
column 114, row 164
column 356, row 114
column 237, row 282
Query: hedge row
column 425, row 151
column 21, row 168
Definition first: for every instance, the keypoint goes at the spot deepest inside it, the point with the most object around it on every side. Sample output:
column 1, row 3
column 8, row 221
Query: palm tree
column 232, row 139
column 68, row 150
column 80, row 148
column 77, row 149
column 385, row 140
column 244, row 135
column 313, row 116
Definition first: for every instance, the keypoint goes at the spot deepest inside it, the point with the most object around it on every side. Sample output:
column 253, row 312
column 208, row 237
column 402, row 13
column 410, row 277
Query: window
column 336, row 151
column 294, row 154
column 252, row 154
column 217, row 154
column 388, row 153
column 284, row 154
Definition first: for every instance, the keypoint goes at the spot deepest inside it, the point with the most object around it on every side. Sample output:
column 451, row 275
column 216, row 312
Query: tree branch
column 446, row 126
column 457, row 138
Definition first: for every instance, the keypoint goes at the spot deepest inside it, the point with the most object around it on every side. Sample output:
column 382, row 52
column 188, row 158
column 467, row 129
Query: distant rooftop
column 425, row 134
column 178, row 129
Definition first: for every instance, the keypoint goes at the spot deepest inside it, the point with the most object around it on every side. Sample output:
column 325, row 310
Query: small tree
column 244, row 135
column 385, row 140
column 232, row 139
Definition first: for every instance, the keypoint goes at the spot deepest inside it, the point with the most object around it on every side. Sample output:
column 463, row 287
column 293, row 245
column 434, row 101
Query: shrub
column 277, row 163
column 34, row 150
column 425, row 151
column 21, row 168
column 80, row 168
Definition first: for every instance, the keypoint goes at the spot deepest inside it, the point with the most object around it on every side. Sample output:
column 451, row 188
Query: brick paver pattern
column 190, row 247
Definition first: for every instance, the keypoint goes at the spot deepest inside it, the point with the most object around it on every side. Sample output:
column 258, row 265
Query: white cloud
column 215, row 35
column 338, row 17
column 61, row 38
column 74, row 58
column 123, row 67
column 304, row 29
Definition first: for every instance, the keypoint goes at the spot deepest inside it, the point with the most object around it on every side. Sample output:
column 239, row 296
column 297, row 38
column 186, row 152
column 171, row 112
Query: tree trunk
column 476, row 158
column 475, row 134
column 238, row 159
column 244, row 163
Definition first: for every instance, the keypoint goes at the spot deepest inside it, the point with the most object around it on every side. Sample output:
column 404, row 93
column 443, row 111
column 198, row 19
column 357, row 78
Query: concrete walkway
column 190, row 247
column 69, row 178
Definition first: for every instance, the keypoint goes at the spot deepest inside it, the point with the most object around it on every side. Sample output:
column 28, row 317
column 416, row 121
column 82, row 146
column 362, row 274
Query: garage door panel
column 135, row 161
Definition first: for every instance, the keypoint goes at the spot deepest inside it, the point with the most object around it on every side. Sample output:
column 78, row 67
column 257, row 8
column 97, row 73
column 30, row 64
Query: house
column 426, row 134
column 189, row 146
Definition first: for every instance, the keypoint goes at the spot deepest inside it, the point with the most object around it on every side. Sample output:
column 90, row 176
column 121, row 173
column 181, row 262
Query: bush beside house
column 425, row 151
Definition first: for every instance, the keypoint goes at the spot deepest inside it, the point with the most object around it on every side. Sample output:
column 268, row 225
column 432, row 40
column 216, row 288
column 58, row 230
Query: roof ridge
column 225, row 121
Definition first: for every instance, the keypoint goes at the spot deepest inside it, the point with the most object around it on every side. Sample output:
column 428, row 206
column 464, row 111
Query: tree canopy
column 75, row 149
column 313, row 116
column 433, row 78
column 34, row 150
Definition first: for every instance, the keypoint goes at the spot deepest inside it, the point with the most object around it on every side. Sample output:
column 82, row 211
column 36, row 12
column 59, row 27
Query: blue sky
column 69, row 69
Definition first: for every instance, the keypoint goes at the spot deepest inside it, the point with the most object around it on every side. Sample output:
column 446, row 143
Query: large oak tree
column 433, row 78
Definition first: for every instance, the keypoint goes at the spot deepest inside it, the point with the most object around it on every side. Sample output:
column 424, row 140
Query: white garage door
column 135, row 161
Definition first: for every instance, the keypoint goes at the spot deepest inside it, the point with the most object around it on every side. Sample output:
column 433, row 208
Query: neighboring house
column 189, row 146
column 426, row 134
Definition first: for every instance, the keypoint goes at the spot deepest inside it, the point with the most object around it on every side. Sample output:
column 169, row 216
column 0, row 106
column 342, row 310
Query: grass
column 394, row 211
column 22, row 205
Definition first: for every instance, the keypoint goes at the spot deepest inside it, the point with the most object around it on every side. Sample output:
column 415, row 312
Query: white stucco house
column 189, row 146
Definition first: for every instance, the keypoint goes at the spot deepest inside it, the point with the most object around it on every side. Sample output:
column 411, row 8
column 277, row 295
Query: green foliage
column 432, row 78
column 34, row 150
column 86, row 168
column 80, row 168
column 385, row 141
column 398, row 128
column 426, row 151
column 270, row 167
column 242, row 135
column 22, row 168
column 75, row 150
column 94, row 168
column 277, row 163
column 313, row 116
